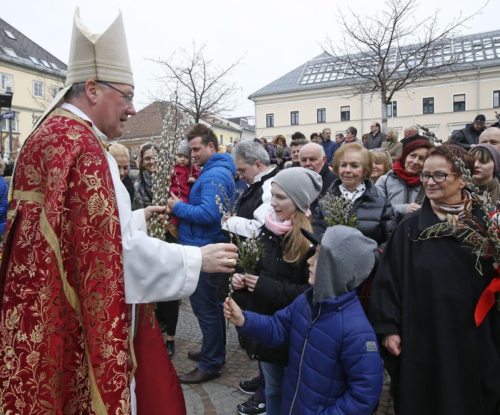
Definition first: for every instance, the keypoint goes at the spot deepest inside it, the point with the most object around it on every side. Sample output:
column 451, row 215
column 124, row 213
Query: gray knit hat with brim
column 184, row 148
column 346, row 258
column 301, row 185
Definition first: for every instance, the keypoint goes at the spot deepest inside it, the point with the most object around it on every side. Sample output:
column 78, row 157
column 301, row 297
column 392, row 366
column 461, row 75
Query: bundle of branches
column 338, row 211
column 174, row 125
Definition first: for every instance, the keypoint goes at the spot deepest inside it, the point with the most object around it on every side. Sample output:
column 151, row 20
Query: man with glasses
column 77, row 260
column 375, row 136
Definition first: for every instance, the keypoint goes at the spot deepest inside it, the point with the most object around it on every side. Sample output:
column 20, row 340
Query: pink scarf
column 277, row 227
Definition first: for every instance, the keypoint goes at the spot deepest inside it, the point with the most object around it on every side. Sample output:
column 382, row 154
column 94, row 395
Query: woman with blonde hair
column 281, row 274
column 122, row 157
column 392, row 145
column 382, row 163
column 353, row 164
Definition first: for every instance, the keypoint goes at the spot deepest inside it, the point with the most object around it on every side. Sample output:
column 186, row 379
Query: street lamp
column 6, row 102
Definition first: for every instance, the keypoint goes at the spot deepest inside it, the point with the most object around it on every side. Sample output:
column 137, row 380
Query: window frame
column 36, row 86
column 320, row 115
column 496, row 96
column 345, row 115
column 392, row 109
column 294, row 118
column 455, row 108
column 427, row 105
column 270, row 120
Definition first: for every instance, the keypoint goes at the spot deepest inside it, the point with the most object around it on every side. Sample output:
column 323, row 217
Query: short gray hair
column 250, row 151
column 75, row 91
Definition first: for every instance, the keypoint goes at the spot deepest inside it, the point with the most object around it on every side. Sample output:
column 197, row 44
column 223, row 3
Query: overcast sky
column 271, row 37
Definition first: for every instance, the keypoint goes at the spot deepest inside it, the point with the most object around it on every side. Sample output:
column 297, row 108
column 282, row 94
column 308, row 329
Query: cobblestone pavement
column 220, row 396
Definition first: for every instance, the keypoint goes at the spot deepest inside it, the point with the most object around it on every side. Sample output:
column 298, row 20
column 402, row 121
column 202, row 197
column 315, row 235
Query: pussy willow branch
column 161, row 181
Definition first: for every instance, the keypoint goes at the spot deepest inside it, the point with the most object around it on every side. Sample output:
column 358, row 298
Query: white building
column 319, row 94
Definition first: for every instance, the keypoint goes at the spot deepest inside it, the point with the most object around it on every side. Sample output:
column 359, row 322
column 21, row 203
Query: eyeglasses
column 437, row 177
column 128, row 97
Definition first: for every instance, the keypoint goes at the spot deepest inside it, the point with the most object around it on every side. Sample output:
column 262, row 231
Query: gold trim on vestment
column 69, row 291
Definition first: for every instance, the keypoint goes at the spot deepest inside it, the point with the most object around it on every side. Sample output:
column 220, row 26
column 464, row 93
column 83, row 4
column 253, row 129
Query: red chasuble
column 64, row 324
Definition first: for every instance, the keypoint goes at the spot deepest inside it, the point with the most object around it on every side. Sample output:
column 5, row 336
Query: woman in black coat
column 353, row 164
column 423, row 301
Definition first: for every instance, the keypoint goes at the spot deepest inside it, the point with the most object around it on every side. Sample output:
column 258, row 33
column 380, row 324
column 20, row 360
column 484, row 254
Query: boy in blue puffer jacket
column 334, row 363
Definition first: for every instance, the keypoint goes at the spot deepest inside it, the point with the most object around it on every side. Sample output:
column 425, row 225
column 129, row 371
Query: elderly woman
column 423, row 301
column 353, row 165
column 402, row 185
column 392, row 145
column 382, row 163
column 486, row 170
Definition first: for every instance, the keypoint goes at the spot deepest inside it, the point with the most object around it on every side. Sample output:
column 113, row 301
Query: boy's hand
column 251, row 281
column 238, row 281
column 233, row 313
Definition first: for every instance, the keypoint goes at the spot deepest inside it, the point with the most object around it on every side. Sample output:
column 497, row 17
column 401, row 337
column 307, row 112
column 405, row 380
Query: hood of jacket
column 346, row 258
column 220, row 160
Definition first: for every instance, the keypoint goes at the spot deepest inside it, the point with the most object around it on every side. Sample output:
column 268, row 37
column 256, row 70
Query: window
column 9, row 34
column 6, row 82
column 269, row 120
column 294, row 118
column 35, row 60
column 54, row 89
column 392, row 109
column 428, row 105
column 321, row 115
column 459, row 102
column 221, row 139
column 10, row 52
column 38, row 89
column 345, row 113
column 496, row 99
column 4, row 124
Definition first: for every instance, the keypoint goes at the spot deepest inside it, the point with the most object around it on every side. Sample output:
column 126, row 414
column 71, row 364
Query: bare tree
column 384, row 53
column 201, row 87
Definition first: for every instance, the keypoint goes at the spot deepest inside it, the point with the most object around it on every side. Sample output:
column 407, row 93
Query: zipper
column 301, row 359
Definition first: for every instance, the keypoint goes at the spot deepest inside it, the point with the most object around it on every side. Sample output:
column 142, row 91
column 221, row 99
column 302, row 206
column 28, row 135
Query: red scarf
column 410, row 179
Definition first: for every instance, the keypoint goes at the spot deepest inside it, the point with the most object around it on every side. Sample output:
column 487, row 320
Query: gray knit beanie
column 184, row 148
column 301, row 185
column 495, row 154
column 346, row 258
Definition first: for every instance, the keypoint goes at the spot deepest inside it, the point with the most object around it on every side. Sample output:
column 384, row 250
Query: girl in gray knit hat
column 281, row 274
column 486, row 170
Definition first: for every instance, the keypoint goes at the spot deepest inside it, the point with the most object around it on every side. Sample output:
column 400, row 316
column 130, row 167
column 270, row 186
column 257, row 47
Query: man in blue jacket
column 200, row 224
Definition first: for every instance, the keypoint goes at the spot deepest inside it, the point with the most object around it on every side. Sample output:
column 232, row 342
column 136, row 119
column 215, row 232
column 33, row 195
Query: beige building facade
column 444, row 103
column 33, row 76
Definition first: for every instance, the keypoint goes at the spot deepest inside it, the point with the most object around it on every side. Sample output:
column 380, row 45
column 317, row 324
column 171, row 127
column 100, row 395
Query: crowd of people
column 323, row 307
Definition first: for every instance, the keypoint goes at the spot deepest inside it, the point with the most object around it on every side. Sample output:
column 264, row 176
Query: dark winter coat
column 129, row 185
column 373, row 211
column 200, row 217
column 278, row 285
column 426, row 291
column 251, row 198
column 375, row 141
column 466, row 136
column 334, row 365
